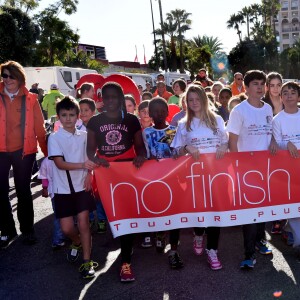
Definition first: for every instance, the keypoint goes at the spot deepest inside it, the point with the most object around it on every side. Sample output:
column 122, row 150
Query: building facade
column 287, row 24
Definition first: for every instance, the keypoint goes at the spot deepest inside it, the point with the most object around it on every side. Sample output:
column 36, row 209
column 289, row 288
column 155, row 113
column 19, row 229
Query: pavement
column 38, row 272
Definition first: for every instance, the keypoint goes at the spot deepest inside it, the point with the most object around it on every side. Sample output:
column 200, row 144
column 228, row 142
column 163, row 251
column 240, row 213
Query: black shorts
column 68, row 205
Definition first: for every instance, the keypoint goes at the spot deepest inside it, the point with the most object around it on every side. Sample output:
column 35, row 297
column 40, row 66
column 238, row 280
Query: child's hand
column 138, row 161
column 89, row 165
column 45, row 193
column 293, row 150
column 221, row 151
column 101, row 162
column 193, row 151
column 273, row 148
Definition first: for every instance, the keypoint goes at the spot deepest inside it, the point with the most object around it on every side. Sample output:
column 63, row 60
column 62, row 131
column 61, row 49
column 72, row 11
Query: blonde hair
column 208, row 117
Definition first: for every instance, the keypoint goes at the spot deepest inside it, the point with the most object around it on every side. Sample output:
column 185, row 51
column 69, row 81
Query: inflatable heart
column 127, row 84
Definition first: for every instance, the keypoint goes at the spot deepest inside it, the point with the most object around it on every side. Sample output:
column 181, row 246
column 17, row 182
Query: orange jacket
column 34, row 122
column 166, row 95
column 235, row 91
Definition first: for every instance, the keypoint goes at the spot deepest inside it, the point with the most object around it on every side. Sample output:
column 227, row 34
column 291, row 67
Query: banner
column 241, row 188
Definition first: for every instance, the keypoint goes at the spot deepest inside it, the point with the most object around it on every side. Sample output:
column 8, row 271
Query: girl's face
column 194, row 102
column 85, row 113
column 216, row 89
column 129, row 106
column 224, row 98
column 144, row 115
column 274, row 87
column 111, row 100
column 177, row 90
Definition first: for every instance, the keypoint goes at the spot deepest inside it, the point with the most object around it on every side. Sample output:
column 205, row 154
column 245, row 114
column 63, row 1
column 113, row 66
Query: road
column 37, row 272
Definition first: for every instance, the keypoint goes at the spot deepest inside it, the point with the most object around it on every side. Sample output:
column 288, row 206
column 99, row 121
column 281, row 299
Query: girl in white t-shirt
column 202, row 131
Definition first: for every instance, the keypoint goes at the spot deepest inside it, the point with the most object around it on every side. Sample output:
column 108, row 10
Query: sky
column 120, row 25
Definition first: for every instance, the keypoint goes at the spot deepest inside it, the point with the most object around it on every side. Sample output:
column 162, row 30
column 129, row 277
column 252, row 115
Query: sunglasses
column 5, row 76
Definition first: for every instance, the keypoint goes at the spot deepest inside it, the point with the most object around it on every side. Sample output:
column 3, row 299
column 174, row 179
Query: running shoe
column 126, row 274
column 73, row 252
column 147, row 243
column 248, row 263
column 6, row 240
column 175, row 260
column 87, row 270
column 213, row 260
column 198, row 244
column 101, row 226
column 263, row 248
column 160, row 242
column 276, row 227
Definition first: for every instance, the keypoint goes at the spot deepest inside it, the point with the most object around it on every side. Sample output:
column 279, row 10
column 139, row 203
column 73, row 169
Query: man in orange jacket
column 237, row 87
column 161, row 91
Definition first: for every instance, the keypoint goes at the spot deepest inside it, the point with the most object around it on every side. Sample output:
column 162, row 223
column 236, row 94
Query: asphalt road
column 37, row 272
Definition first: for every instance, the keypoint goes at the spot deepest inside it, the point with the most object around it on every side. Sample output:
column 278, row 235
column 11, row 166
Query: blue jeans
column 22, row 168
column 99, row 210
column 58, row 236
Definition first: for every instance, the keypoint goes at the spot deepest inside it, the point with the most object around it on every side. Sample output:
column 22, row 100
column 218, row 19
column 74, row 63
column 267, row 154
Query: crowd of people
column 256, row 112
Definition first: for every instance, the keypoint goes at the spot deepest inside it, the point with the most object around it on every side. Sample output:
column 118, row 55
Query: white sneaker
column 213, row 260
column 198, row 244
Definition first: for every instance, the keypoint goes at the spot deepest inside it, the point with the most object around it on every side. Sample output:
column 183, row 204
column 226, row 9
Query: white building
column 287, row 24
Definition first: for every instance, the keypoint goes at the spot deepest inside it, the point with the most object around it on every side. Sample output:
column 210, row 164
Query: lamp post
column 154, row 36
column 163, row 36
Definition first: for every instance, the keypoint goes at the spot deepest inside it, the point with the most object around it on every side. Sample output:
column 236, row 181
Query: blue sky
column 119, row 25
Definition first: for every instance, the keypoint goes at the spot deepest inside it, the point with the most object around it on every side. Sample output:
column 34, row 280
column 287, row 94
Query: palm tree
column 234, row 22
column 213, row 43
column 182, row 21
column 169, row 29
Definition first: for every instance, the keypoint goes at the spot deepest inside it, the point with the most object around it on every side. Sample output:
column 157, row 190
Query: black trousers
column 212, row 233
column 253, row 233
column 22, row 168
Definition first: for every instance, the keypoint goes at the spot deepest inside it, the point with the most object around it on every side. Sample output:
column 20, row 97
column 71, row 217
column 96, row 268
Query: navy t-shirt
column 114, row 136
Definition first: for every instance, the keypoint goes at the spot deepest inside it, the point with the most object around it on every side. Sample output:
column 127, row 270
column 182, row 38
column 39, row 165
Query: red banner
column 241, row 188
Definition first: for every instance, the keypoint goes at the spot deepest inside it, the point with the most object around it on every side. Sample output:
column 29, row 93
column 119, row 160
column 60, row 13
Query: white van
column 136, row 77
column 170, row 77
column 64, row 77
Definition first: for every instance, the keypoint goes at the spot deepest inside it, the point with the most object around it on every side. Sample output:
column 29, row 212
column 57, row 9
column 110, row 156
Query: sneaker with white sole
column 213, row 260
column 198, row 244
column 87, row 269
column 248, row 263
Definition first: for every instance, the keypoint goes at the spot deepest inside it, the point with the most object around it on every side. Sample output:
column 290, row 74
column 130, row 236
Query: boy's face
column 85, row 112
column 224, row 98
column 159, row 113
column 144, row 114
column 256, row 89
column 290, row 97
column 68, row 119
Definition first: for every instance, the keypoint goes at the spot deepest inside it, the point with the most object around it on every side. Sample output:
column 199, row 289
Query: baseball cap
column 53, row 86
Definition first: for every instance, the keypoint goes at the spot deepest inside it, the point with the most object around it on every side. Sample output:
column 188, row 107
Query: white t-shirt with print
column 286, row 128
column 73, row 148
column 253, row 125
column 201, row 136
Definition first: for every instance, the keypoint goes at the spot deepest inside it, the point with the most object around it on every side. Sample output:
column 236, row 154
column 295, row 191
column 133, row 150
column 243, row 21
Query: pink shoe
column 198, row 244
column 213, row 260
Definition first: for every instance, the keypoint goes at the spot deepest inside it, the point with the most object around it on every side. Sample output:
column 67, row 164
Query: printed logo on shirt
column 113, row 137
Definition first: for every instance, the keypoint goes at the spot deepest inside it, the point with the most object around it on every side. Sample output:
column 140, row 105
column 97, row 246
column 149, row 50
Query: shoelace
column 126, row 269
column 88, row 265
column 213, row 255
